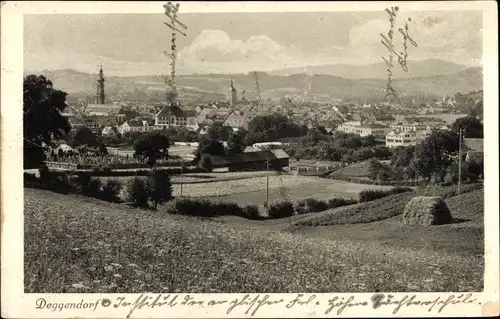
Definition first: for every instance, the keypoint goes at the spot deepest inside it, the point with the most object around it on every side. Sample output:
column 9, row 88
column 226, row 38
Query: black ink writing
column 253, row 304
column 342, row 304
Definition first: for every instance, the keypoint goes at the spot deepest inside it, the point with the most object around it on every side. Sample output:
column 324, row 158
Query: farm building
column 251, row 161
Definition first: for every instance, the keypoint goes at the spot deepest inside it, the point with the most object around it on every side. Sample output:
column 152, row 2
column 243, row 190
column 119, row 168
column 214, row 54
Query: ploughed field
column 78, row 244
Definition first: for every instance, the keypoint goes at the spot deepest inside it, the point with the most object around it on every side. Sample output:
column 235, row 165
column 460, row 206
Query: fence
column 61, row 165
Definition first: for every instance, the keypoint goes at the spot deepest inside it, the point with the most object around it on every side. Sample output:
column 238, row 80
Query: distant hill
column 425, row 68
column 463, row 81
column 323, row 87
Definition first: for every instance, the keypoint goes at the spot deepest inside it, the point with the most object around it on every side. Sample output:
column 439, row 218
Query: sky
column 133, row 44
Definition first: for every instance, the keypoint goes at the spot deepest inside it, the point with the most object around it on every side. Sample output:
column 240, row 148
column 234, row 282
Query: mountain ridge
column 322, row 86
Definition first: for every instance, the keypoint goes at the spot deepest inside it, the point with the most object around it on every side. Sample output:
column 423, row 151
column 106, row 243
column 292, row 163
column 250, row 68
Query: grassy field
column 358, row 170
column 250, row 187
column 380, row 209
column 77, row 244
column 464, row 237
column 253, row 191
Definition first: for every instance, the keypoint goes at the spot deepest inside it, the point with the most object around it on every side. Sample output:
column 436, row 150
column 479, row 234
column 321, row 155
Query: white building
column 134, row 126
column 409, row 126
column 364, row 129
column 397, row 138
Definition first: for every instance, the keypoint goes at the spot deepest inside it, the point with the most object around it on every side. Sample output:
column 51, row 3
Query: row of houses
column 395, row 134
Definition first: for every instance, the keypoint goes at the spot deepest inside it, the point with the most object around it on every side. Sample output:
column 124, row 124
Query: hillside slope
column 75, row 244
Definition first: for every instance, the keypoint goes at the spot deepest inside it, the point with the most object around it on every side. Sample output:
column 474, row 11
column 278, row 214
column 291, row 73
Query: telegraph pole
column 267, row 184
column 182, row 175
column 460, row 161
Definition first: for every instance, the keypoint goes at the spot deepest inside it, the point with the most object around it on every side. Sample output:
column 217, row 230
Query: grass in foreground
column 75, row 244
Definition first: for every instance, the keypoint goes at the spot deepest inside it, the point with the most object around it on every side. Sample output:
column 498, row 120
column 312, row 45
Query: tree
column 82, row 136
column 435, row 153
column 219, row 132
column 374, row 168
column 402, row 156
column 102, row 149
column 206, row 163
column 152, row 146
column 159, row 187
column 236, row 143
column 130, row 137
column 471, row 126
column 264, row 128
column 42, row 119
column 210, row 146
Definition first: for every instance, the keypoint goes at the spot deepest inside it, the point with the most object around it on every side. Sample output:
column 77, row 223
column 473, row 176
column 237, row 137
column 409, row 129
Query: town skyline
column 228, row 43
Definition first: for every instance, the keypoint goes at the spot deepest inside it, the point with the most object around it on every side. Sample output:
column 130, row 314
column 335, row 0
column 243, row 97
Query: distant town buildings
column 364, row 129
column 173, row 115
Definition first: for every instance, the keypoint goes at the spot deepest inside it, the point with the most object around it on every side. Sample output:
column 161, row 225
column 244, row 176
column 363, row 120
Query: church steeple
column 231, row 94
column 100, row 96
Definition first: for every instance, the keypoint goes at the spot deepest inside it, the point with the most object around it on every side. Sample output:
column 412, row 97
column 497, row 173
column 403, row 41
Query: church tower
column 231, row 94
column 100, row 96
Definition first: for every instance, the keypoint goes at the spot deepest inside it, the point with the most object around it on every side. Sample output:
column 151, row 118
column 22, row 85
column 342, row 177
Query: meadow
column 79, row 244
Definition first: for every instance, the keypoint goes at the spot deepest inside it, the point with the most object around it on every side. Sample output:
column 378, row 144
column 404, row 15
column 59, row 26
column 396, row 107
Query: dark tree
column 219, row 132
column 159, row 187
column 205, row 163
column 152, row 146
column 435, row 153
column 210, row 146
column 130, row 137
column 471, row 126
column 42, row 119
column 374, row 168
column 103, row 149
column 82, row 136
column 402, row 156
column 236, row 143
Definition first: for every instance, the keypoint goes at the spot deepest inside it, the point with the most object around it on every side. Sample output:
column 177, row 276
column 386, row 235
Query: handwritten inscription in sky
column 388, row 42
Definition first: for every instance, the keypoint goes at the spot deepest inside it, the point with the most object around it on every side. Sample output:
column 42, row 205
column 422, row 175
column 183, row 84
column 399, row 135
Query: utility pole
column 460, row 161
column 267, row 184
column 182, row 175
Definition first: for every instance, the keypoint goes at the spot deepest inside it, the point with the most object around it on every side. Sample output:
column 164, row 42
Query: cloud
column 452, row 36
column 217, row 46
column 215, row 49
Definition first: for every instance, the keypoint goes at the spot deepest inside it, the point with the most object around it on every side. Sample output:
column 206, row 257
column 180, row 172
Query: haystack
column 426, row 210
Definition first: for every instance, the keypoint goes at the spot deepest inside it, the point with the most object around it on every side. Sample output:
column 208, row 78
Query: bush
column 206, row 163
column 281, row 209
column 338, row 202
column 137, row 192
column 300, row 207
column 110, row 191
column 227, row 209
column 314, row 205
column 30, row 180
column 369, row 194
column 400, row 189
column 89, row 186
column 251, row 212
column 194, row 207
column 55, row 181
